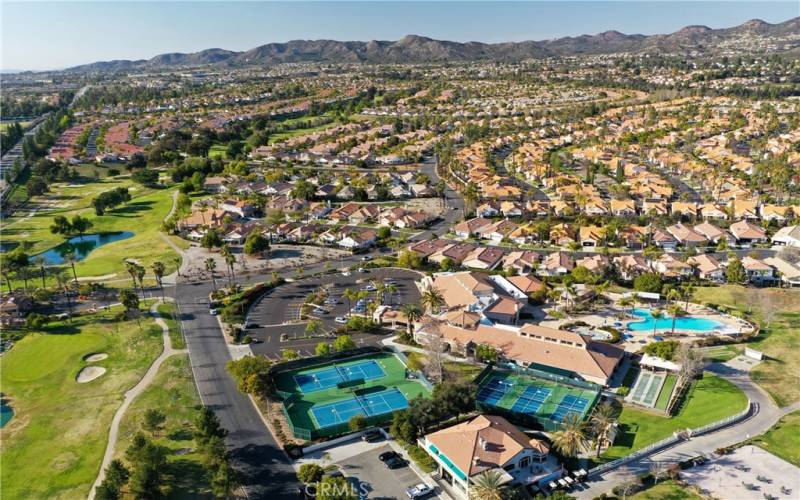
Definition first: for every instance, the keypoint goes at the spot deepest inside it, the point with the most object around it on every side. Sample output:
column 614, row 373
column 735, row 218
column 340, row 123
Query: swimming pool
column 665, row 323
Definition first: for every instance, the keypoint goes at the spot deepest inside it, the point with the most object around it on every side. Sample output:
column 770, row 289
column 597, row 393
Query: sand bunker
column 90, row 373
column 92, row 358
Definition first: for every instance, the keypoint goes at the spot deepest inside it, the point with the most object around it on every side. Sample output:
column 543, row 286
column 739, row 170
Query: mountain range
column 419, row 49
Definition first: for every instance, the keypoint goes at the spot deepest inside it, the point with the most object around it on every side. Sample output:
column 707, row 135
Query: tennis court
column 379, row 403
column 531, row 400
column 325, row 378
column 570, row 404
column 494, row 390
column 319, row 399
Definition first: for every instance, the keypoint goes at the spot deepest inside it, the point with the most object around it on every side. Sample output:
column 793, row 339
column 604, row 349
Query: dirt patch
column 95, row 357
column 89, row 373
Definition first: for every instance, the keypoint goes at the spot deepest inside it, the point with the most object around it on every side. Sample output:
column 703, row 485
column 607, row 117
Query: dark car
column 383, row 457
column 395, row 463
column 371, row 436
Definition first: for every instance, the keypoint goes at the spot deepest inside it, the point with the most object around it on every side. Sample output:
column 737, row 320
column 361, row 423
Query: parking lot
column 277, row 312
column 359, row 462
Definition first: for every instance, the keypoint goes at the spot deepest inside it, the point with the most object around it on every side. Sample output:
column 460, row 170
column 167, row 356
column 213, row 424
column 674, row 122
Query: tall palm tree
column 432, row 299
column 158, row 270
column 63, row 284
column 626, row 302
column 413, row 314
column 130, row 267
column 673, row 295
column 488, row 486
column 211, row 264
column 674, row 310
column 177, row 260
column 380, row 288
column 40, row 262
column 571, row 438
column 70, row 259
column 657, row 314
column 687, row 289
column 230, row 261
column 602, row 422
column 572, row 294
column 140, row 272
column 349, row 295
column 391, row 289
column 471, row 197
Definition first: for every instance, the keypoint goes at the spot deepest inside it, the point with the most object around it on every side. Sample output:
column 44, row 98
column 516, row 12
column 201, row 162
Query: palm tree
column 626, row 302
column 571, row 439
column 63, row 284
column 674, row 310
column 70, row 259
column 413, row 314
column 657, row 314
column 488, row 486
column 130, row 267
column 140, row 272
column 350, row 295
column 230, row 261
column 554, row 294
column 432, row 299
column 40, row 262
column 673, row 295
column 391, row 289
column 211, row 264
column 177, row 260
column 380, row 288
column 572, row 294
column 158, row 270
column 471, row 196
column 687, row 289
column 602, row 422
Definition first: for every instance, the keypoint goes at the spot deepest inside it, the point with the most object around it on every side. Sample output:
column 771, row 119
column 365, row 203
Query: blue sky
column 51, row 35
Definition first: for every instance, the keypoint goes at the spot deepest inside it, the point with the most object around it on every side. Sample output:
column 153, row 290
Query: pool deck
column 607, row 317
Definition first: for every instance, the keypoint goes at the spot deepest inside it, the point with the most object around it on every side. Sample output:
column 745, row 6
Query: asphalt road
column 266, row 470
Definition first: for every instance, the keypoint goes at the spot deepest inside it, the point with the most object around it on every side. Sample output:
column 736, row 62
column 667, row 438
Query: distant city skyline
column 56, row 35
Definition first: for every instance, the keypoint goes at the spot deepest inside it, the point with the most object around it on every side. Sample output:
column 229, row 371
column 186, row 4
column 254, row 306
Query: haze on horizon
column 55, row 35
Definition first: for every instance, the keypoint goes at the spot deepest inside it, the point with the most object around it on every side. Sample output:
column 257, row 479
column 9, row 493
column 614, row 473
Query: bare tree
column 659, row 471
column 691, row 361
column 434, row 348
column 767, row 307
column 629, row 485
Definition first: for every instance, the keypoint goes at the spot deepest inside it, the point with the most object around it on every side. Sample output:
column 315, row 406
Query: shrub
column 357, row 423
column 421, row 458
column 623, row 391
column 310, row 473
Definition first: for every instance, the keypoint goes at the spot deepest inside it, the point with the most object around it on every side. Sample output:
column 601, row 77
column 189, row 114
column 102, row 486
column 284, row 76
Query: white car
column 213, row 312
column 341, row 320
column 345, row 273
column 419, row 491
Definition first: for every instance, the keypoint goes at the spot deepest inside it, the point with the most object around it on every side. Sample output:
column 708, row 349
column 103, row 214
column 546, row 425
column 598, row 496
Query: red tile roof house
column 484, row 258
column 758, row 273
column 708, row 267
column 747, row 233
column 465, row 451
column 426, row 248
column 687, row 236
column 457, row 253
column 556, row 264
column 470, row 227
column 529, row 344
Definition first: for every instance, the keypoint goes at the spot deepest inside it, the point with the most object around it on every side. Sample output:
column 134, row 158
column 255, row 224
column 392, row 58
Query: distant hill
column 417, row 49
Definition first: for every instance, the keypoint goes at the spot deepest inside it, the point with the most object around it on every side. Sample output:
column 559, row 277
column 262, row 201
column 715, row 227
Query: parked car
column 366, row 258
column 341, row 320
column 372, row 436
column 395, row 463
column 213, row 312
column 369, row 288
column 250, row 326
column 388, row 455
column 419, row 491
column 363, row 270
column 345, row 273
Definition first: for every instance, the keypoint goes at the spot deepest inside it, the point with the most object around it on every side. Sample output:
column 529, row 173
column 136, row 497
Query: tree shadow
column 131, row 209
column 188, row 479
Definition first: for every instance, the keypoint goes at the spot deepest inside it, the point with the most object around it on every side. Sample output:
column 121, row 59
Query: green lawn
column 667, row 490
column 53, row 446
column 780, row 340
column 172, row 392
column 721, row 353
column 142, row 215
column 282, row 136
column 712, row 398
column 220, row 150
column 666, row 392
column 167, row 311
column 783, row 439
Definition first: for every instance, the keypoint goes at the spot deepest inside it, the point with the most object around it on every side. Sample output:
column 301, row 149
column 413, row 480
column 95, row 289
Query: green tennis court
column 319, row 400
column 534, row 400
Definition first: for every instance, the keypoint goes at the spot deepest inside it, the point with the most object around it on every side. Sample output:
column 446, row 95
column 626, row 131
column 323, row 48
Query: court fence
column 559, row 379
column 416, row 374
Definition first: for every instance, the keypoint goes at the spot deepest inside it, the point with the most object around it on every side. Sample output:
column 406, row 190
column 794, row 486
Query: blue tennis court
column 570, row 404
column 531, row 400
column 326, row 378
column 493, row 391
column 378, row 403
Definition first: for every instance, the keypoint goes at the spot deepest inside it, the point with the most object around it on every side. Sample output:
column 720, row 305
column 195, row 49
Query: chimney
column 484, row 444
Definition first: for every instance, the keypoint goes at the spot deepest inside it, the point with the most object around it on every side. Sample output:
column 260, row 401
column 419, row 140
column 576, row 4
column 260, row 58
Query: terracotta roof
column 483, row 443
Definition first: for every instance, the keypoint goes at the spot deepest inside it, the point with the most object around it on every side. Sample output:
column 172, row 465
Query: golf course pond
column 81, row 246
